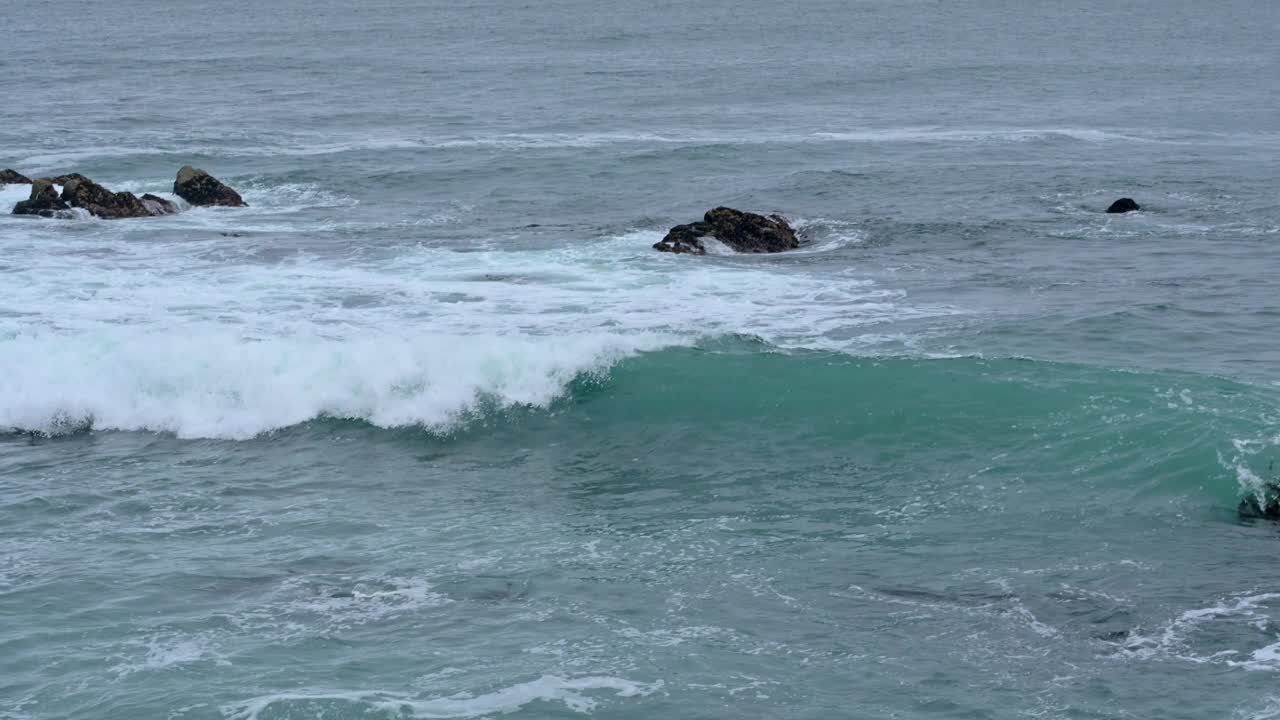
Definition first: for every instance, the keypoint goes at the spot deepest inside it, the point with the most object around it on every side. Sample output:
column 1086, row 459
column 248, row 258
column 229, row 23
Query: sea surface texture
column 430, row 431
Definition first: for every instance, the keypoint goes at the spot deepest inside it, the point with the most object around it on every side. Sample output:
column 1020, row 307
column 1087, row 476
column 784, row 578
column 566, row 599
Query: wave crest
column 222, row 386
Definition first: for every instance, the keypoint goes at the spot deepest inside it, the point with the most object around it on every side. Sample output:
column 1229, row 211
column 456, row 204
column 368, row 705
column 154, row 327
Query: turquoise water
column 429, row 430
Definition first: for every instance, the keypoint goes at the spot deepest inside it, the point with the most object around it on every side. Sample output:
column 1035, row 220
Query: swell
column 731, row 396
column 303, row 145
column 1152, row 430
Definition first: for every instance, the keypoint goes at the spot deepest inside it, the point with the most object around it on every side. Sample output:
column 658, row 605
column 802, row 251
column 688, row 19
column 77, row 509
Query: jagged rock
column 1123, row 205
column 64, row 179
column 744, row 232
column 79, row 191
column 200, row 188
column 44, row 201
column 157, row 205
column 13, row 177
column 101, row 202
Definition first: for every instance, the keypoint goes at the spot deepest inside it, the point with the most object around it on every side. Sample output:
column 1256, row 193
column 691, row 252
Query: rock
column 13, row 177
column 200, row 188
column 157, row 205
column 744, row 232
column 64, row 179
column 79, row 191
column 1123, row 205
column 1267, row 507
column 44, row 201
column 101, row 202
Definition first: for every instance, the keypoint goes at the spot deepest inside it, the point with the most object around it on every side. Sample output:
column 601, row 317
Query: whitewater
column 203, row 337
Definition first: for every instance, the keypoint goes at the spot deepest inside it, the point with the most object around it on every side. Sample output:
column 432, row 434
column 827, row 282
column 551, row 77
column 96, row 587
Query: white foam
column 1270, row 710
column 1250, row 482
column 206, row 383
column 835, row 234
column 202, row 339
column 1265, row 658
column 571, row 692
column 1175, row 639
column 164, row 652
column 11, row 195
column 363, row 603
column 714, row 247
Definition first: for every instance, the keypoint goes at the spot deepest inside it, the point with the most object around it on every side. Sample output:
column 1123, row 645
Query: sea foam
column 220, row 385
column 571, row 692
column 170, row 325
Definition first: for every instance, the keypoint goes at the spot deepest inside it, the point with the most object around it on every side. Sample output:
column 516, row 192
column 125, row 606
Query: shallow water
column 429, row 430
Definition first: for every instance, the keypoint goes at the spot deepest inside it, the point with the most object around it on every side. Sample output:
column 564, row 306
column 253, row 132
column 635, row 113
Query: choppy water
column 430, row 431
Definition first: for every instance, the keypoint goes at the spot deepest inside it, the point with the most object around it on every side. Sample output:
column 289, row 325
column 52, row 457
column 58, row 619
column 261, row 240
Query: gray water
column 428, row 430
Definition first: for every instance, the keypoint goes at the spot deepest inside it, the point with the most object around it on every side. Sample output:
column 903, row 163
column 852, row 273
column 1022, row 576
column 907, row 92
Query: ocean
column 429, row 430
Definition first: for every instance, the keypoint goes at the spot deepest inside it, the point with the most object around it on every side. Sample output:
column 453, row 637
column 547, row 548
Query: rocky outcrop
column 13, row 177
column 44, row 201
column 101, row 202
column 1123, row 205
column 79, row 191
column 64, row 179
column 200, row 188
column 744, row 232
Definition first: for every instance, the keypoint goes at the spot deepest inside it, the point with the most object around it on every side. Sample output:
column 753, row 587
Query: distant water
column 429, row 431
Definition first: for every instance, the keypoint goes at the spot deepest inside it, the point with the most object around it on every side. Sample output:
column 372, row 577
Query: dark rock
column 1265, row 507
column 101, row 202
column 1123, row 205
column 64, row 179
column 13, row 177
column 157, row 205
column 79, row 191
column 744, row 232
column 44, row 201
column 200, row 188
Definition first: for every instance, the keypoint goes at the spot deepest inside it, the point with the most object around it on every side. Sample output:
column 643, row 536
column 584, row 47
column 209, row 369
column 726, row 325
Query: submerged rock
column 200, row 188
column 103, row 203
column 1124, row 205
column 44, row 201
column 13, row 177
column 1266, row 507
column 744, row 232
column 157, row 205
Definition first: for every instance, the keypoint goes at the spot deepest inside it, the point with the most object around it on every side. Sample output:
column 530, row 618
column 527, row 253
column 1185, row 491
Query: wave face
column 1175, row 430
column 1082, row 431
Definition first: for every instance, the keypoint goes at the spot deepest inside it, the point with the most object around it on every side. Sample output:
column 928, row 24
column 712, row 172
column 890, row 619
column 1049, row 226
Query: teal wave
column 1063, row 428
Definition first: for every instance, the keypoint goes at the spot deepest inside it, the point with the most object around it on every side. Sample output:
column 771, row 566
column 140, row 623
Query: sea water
column 429, row 430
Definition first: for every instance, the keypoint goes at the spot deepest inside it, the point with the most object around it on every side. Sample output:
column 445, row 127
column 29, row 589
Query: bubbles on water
column 578, row 694
column 1268, row 709
column 1214, row 635
column 167, row 650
